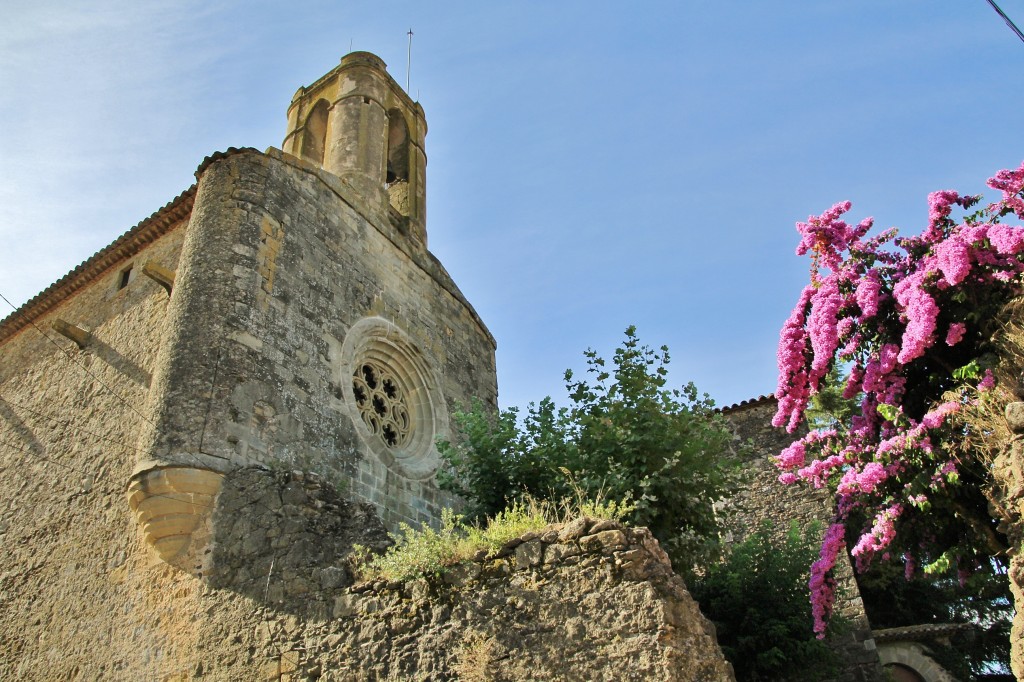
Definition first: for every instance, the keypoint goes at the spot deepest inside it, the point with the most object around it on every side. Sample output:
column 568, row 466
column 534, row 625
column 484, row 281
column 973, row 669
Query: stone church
column 199, row 421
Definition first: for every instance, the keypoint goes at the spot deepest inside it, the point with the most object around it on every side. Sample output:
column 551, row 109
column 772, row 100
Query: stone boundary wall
column 583, row 601
column 765, row 499
column 590, row 600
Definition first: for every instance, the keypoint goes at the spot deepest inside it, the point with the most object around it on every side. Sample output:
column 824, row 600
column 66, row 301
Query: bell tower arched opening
column 314, row 134
column 397, row 176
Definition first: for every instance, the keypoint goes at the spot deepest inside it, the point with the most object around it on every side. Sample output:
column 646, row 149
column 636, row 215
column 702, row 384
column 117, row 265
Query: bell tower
column 357, row 123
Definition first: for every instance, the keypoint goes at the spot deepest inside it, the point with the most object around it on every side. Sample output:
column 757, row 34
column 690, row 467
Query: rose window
column 391, row 394
column 382, row 404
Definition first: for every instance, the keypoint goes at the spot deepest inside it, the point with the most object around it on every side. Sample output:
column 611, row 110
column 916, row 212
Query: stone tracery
column 382, row 405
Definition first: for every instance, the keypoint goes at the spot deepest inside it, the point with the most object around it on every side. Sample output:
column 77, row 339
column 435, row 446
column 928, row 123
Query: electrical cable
column 114, row 393
column 1009, row 22
column 127, row 448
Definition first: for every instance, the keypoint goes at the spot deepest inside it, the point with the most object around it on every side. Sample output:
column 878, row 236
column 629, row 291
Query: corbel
column 80, row 336
column 159, row 274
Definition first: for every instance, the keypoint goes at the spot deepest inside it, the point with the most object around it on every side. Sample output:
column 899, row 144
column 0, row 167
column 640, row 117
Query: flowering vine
column 907, row 319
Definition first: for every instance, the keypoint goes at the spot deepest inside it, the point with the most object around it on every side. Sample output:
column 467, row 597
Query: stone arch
column 898, row 672
column 314, row 135
column 398, row 148
column 397, row 176
column 909, row 659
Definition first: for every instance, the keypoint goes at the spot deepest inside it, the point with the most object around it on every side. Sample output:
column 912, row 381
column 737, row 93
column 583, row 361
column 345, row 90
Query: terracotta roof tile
column 750, row 402
column 917, row 633
column 217, row 156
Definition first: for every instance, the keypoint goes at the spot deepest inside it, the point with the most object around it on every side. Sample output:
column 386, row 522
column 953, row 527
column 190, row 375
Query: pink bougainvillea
column 956, row 333
column 920, row 312
column 822, row 583
column 792, row 373
column 906, row 319
column 881, row 535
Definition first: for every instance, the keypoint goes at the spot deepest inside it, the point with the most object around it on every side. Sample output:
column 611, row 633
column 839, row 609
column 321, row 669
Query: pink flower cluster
column 881, row 535
column 1011, row 183
column 862, row 480
column 853, row 291
column 794, row 459
column 822, row 327
column 893, row 317
column 828, row 236
column 920, row 312
column 956, row 333
column 792, row 370
column 867, row 295
column 988, row 382
column 940, row 204
column 822, row 583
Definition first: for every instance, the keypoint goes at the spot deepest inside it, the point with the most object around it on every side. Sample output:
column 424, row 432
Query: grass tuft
column 426, row 551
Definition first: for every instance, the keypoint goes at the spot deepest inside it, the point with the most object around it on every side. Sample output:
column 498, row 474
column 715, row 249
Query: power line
column 82, row 472
column 128, row 448
column 119, row 397
column 111, row 391
column 68, row 424
column 275, row 555
column 1009, row 22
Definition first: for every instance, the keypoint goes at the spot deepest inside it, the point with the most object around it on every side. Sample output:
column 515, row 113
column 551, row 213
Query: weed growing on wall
column 474, row 657
column 426, row 551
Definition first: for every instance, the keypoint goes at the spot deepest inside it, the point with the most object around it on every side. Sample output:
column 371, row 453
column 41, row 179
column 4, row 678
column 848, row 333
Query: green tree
column 625, row 435
column 828, row 407
column 757, row 599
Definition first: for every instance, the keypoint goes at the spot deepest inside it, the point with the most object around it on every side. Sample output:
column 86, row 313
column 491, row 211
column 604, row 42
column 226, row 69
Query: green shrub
column 666, row 451
column 757, row 599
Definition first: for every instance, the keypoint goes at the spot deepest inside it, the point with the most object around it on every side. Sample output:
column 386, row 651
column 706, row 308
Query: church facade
column 283, row 314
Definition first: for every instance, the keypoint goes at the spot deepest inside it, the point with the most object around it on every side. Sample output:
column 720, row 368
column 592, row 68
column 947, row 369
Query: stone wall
column 1008, row 505
column 236, row 372
column 226, row 410
column 765, row 499
column 583, row 601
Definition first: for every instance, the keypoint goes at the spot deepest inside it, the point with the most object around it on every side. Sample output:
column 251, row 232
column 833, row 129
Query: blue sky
column 591, row 164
